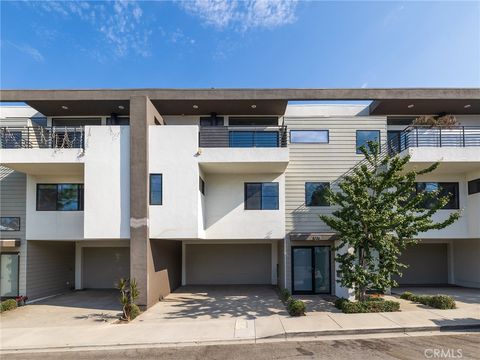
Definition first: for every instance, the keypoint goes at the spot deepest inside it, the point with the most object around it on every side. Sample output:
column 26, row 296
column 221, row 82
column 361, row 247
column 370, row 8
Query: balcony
column 243, row 149
column 458, row 146
column 38, row 137
column 243, row 136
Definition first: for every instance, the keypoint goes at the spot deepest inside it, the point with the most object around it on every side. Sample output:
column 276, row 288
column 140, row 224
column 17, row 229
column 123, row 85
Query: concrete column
column 78, row 266
column 142, row 114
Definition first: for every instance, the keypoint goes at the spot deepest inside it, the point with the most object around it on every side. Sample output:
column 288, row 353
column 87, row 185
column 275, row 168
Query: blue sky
column 254, row 43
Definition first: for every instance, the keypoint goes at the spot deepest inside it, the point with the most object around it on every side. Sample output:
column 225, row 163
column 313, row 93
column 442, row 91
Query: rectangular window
column 253, row 121
column 474, row 187
column 202, row 185
column 315, row 193
column 309, row 136
column 444, row 189
column 156, row 189
column 253, row 138
column 364, row 136
column 211, row 121
column 59, row 197
column 261, row 196
column 9, row 223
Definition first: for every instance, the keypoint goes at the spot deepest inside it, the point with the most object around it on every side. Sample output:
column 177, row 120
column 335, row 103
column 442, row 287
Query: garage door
column 213, row 264
column 427, row 265
column 103, row 267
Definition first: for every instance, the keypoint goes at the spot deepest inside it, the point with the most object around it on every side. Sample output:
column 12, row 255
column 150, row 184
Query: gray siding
column 50, row 266
column 13, row 203
column 321, row 162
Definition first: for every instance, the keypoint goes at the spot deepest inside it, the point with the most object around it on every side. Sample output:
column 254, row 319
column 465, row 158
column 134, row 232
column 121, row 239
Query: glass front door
column 311, row 269
column 9, row 275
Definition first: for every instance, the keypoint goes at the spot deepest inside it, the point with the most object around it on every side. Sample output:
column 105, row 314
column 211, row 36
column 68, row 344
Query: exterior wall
column 172, row 153
column 226, row 217
column 321, row 162
column 50, row 268
column 52, row 225
column 13, row 199
column 107, row 182
column 167, row 260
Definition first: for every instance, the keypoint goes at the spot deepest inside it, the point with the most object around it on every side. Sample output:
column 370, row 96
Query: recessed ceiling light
column 254, row 106
column 467, row 106
column 121, row 107
column 64, row 107
column 410, row 106
column 195, row 106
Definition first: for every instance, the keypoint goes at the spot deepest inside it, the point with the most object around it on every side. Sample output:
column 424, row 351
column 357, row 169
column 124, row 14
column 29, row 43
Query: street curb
column 285, row 337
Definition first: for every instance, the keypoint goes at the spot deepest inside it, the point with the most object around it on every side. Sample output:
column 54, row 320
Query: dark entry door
column 311, row 270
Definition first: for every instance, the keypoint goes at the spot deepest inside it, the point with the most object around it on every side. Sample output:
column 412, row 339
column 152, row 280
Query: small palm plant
column 128, row 295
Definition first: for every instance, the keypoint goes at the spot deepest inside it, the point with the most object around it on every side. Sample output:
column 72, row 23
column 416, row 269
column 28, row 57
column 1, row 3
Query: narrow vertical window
column 156, row 183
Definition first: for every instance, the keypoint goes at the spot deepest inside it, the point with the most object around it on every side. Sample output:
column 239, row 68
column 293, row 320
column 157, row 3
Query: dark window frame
column 306, row 194
column 473, row 186
column 456, row 195
column 245, row 185
column 357, row 148
column 150, row 189
column 11, row 217
column 80, row 196
column 310, row 142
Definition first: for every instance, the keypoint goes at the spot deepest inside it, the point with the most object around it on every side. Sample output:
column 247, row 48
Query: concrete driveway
column 216, row 302
column 89, row 307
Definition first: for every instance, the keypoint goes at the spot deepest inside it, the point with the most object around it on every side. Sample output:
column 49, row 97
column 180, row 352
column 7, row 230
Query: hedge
column 371, row 305
column 9, row 304
column 443, row 302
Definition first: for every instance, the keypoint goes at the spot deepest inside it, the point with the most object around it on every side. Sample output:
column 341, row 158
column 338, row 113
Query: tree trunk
column 362, row 289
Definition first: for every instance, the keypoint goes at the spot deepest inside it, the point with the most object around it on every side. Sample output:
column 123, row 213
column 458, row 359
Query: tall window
column 261, row 196
column 156, row 189
column 59, row 197
column 474, row 186
column 309, row 136
column 364, row 136
column 315, row 193
column 444, row 189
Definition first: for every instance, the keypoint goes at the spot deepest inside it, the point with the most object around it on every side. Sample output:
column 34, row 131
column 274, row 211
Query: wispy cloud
column 118, row 22
column 28, row 50
column 242, row 15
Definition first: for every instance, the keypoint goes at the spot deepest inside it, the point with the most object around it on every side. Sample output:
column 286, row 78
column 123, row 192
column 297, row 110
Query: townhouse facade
column 217, row 187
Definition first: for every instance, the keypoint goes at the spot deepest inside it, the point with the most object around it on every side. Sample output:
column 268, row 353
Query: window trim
column 12, row 217
column 261, row 194
column 472, row 191
column 357, row 148
column 315, row 182
column 80, row 197
column 310, row 130
column 150, row 189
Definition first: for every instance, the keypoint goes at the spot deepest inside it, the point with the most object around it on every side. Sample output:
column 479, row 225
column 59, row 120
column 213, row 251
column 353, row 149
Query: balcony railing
column 243, row 136
column 39, row 137
column 436, row 136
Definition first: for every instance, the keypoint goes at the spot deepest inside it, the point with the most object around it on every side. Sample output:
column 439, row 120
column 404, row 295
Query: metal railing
column 436, row 136
column 39, row 137
column 243, row 136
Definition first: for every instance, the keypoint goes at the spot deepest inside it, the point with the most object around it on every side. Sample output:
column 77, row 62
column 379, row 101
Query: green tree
column 378, row 216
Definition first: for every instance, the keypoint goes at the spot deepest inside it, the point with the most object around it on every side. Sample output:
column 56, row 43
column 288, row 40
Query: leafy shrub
column 296, row 307
column 438, row 301
column 339, row 303
column 407, row 295
column 370, row 305
column 285, row 295
column 134, row 311
column 8, row 304
column 128, row 295
column 442, row 302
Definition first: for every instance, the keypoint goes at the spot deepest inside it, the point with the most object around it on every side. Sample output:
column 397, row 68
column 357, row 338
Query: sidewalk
column 236, row 329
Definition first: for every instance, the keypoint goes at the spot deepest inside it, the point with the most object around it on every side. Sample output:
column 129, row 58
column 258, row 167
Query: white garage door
column 212, row 264
column 103, row 267
column 428, row 264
